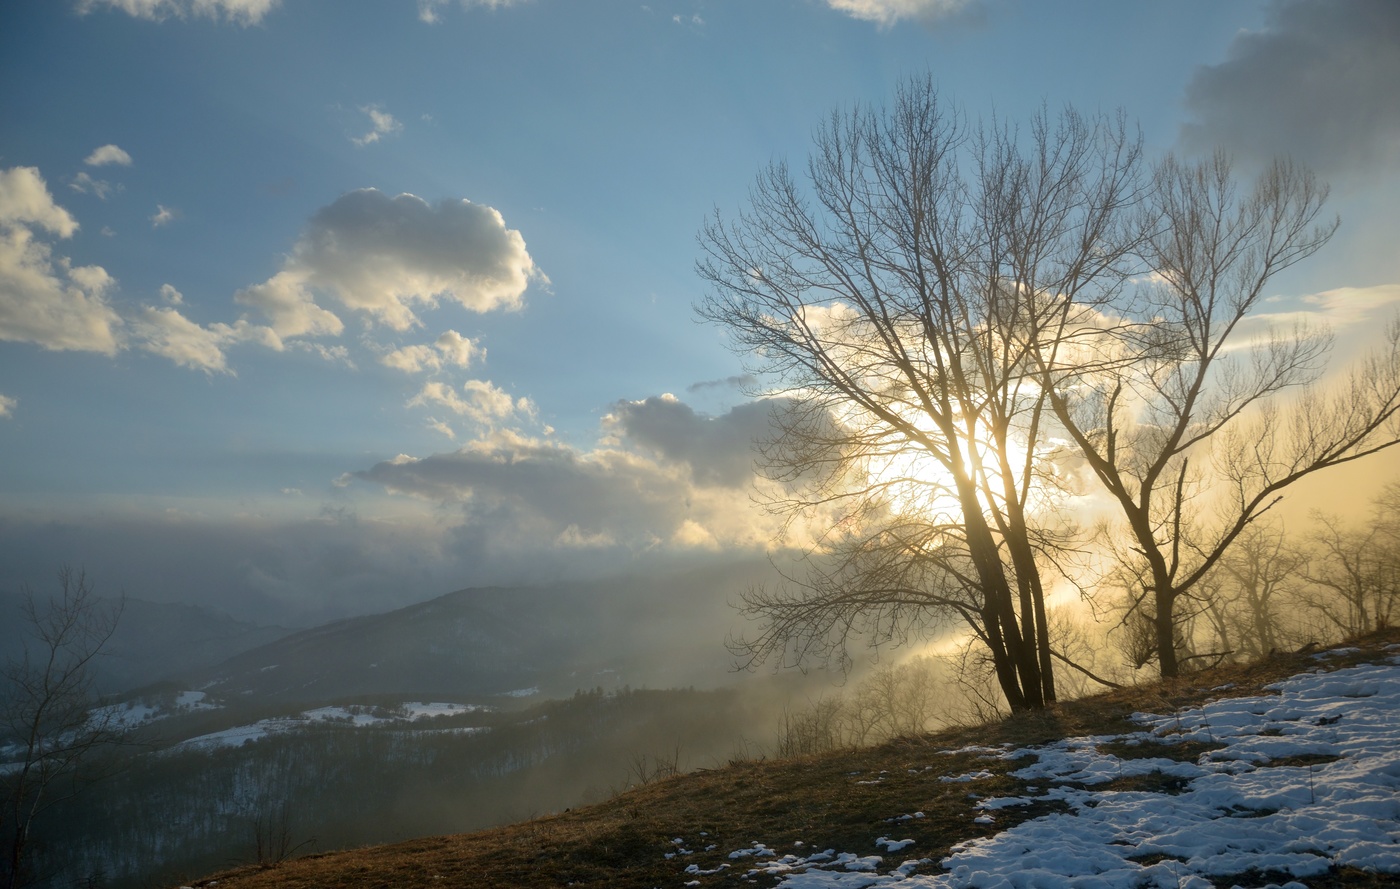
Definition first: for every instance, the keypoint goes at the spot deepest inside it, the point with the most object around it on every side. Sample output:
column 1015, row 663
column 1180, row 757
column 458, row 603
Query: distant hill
column 655, row 630
column 154, row 641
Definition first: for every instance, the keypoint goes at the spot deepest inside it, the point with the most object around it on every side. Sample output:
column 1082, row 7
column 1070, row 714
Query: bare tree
column 49, row 710
column 1263, row 571
column 896, row 295
column 1184, row 418
column 1356, row 573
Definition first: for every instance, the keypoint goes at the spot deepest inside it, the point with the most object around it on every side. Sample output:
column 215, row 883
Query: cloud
column 163, row 216
column 1336, row 309
column 85, row 184
column 25, row 200
column 382, row 124
column 518, row 491
column 428, row 10
column 449, row 349
column 1318, row 82
column 737, row 382
column 887, row 13
column 44, row 298
column 171, row 295
column 243, row 12
column 7, row 406
column 289, row 304
column 108, row 154
column 164, row 331
column 481, row 401
column 385, row 256
column 718, row 450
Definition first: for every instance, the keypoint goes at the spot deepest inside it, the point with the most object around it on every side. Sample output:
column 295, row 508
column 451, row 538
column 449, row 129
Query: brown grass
column 839, row 801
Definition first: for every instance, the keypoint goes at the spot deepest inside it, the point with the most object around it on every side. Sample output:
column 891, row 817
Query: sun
column 917, row 482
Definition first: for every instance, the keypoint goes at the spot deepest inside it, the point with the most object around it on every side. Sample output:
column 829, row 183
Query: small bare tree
column 1356, row 574
column 1262, row 573
column 50, row 712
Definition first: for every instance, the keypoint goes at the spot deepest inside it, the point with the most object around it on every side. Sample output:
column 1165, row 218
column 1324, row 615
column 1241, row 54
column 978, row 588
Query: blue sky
column 256, row 250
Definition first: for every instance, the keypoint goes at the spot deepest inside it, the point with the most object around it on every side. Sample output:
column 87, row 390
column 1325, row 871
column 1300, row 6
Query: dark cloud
column 738, row 382
column 1321, row 83
column 719, row 450
column 541, row 489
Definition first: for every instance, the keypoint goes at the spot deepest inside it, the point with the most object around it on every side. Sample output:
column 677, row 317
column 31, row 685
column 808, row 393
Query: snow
column 1301, row 782
column 355, row 716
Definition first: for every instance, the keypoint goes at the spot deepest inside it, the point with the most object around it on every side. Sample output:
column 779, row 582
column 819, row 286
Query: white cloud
column 886, row 13
column 291, row 307
column 85, row 184
column 45, row 299
column 449, row 349
column 382, row 124
column 108, row 154
column 385, row 256
column 1337, row 309
column 25, row 200
column 243, row 12
column 7, row 406
column 171, row 295
column 437, row 425
column 163, row 216
column 481, row 401
column 429, row 10
column 1319, row 83
column 164, row 331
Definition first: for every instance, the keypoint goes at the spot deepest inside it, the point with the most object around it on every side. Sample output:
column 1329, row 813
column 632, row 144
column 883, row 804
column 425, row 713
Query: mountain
column 153, row 641
column 657, row 630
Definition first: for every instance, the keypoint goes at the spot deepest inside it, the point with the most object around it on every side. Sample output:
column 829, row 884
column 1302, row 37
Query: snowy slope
column 1299, row 782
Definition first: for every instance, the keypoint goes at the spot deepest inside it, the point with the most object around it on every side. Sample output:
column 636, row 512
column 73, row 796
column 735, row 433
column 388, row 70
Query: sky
column 310, row 309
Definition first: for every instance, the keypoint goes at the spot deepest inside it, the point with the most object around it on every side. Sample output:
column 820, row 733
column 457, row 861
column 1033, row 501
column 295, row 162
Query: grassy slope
column 819, row 801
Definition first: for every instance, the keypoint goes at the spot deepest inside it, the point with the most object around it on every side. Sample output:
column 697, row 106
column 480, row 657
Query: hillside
column 154, row 641
column 1286, row 769
column 658, row 630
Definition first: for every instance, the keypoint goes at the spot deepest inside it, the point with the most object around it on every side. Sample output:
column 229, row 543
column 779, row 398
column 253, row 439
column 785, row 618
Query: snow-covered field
column 1303, row 781
column 357, row 716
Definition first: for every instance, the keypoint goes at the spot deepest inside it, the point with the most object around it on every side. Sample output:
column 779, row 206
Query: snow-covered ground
column 355, row 715
column 1305, row 780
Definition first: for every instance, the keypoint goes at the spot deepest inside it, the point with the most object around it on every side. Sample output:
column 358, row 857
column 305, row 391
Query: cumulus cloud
column 718, row 450
column 108, row 154
column 44, row 298
column 480, row 401
column 386, row 256
column 25, row 200
column 243, row 12
column 164, row 331
column 1318, row 82
column 7, row 406
column 887, row 13
column 450, row 349
column 382, row 124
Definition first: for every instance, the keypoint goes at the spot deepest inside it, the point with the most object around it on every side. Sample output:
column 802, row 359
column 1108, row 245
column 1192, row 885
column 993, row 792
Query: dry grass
column 841, row 801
